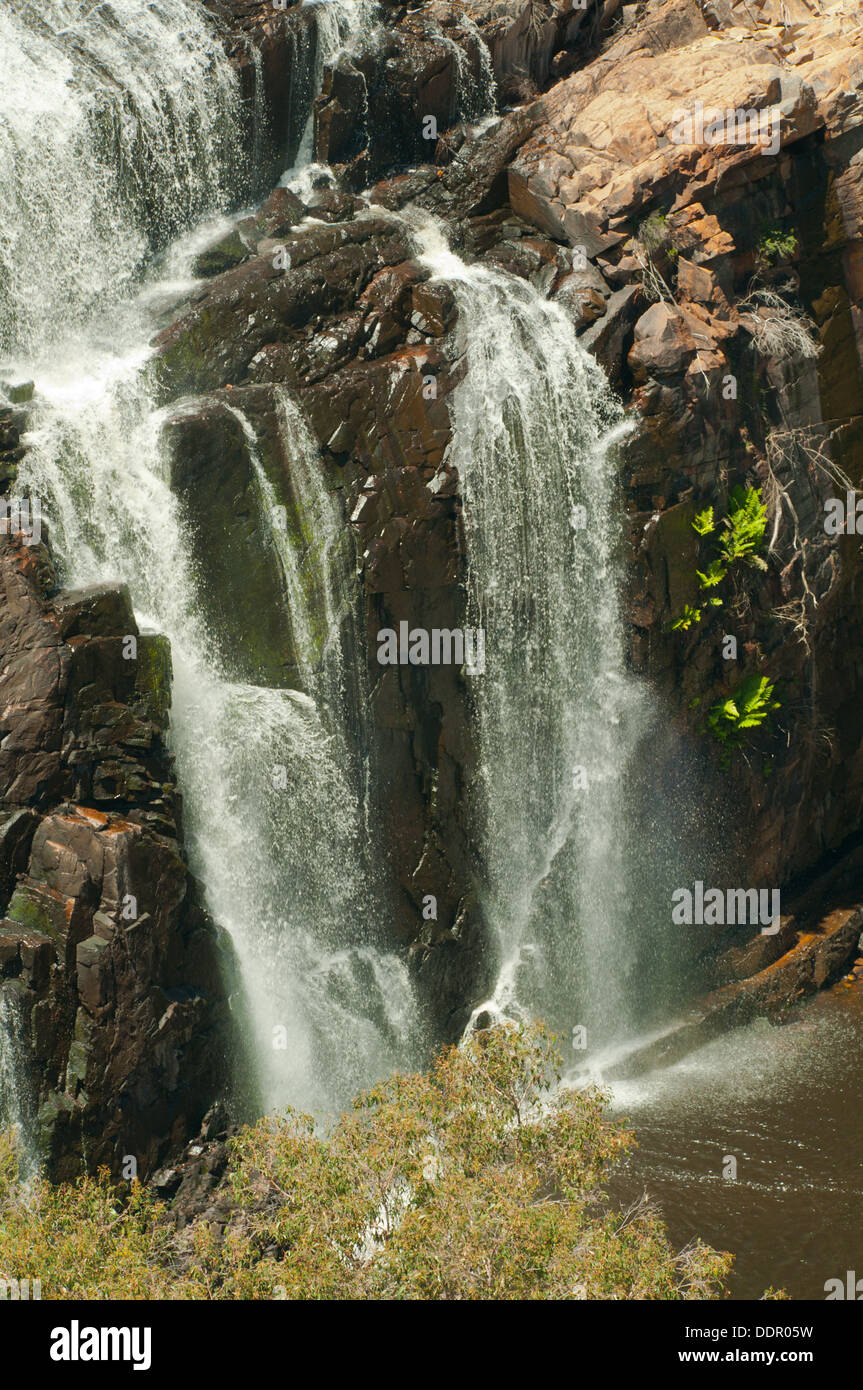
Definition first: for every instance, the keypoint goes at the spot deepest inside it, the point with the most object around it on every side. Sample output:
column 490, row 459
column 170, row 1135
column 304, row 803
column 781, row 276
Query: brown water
column 787, row 1103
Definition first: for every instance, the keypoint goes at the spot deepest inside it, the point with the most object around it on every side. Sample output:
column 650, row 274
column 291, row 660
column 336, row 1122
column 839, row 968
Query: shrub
column 481, row 1179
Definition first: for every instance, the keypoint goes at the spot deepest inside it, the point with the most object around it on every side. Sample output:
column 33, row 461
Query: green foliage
column 745, row 525
column 714, row 574
column 704, row 522
column 82, row 1240
column 776, row 245
column 739, row 540
column 481, row 1179
column 654, row 232
column 748, row 708
column 689, row 616
column 743, row 532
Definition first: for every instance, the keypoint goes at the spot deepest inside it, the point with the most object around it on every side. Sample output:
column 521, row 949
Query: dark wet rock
column 275, row 52
column 118, row 972
column 282, row 211
column 382, row 107
column 212, row 473
column 331, row 205
column 224, row 254
column 322, row 272
column 476, row 179
column 19, row 393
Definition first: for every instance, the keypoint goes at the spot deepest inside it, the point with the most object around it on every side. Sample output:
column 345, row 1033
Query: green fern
column 703, row 522
column 689, row 616
column 714, row 574
column 745, row 525
column 747, row 708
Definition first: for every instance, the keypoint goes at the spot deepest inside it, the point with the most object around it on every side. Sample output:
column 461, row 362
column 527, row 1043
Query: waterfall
column 476, row 90
column 118, row 128
column 274, row 796
column 340, row 24
column 559, row 721
column 14, row 1087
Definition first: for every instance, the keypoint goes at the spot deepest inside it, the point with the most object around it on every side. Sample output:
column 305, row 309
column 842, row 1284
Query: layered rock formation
column 113, row 967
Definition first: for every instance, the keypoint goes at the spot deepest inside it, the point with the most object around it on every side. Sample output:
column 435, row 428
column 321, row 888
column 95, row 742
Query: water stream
column 562, row 726
column 274, row 810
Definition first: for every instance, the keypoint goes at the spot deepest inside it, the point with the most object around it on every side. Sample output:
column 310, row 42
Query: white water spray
column 341, row 24
column 558, row 718
column 118, row 127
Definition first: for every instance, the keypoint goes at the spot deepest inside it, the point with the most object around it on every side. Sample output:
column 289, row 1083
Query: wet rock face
column 694, row 304
column 364, row 351
column 368, row 349
column 389, row 422
column 274, row 298
column 531, row 43
column 118, row 971
column 383, row 105
column 274, row 49
column 231, row 549
column 394, row 99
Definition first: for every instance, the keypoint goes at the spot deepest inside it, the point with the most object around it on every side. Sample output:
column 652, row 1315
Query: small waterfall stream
column 14, row 1085
column 274, row 810
column 560, row 721
column 341, row 24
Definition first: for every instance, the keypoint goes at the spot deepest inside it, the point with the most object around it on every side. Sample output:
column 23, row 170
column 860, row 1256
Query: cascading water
column 118, row 128
column 475, row 85
column 274, row 814
column 14, row 1108
column 560, row 722
column 340, row 24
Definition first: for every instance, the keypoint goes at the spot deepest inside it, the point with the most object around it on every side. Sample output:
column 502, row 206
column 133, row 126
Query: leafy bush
column 479, row 1180
column 81, row 1240
column 744, row 526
